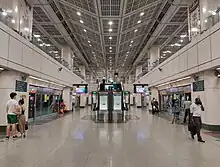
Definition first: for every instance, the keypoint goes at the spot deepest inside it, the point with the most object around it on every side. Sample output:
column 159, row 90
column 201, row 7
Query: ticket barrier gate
column 110, row 107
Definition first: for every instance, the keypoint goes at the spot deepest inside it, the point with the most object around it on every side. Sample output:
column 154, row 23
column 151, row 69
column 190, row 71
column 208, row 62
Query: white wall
column 19, row 54
column 199, row 55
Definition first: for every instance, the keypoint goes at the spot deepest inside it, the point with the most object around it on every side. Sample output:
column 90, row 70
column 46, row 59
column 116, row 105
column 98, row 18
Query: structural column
column 7, row 86
column 67, row 98
column 83, row 71
column 154, row 53
column 138, row 71
column 67, row 56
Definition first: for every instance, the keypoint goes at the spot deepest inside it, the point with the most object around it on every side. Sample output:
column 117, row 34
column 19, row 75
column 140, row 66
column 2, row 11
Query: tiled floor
column 70, row 141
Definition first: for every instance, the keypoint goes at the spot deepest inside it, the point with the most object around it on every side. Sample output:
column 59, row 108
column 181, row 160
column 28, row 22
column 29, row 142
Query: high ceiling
column 109, row 35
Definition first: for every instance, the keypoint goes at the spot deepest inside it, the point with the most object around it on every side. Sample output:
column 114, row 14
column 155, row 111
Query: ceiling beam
column 171, row 11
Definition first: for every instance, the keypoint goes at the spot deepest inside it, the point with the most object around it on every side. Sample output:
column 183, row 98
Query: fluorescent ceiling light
column 204, row 10
column 41, row 44
column 110, row 47
column 130, row 45
column 136, row 30
column 38, row 39
column 142, row 13
column 16, row 9
column 172, row 45
column 36, row 36
column 132, row 41
column 195, row 29
column 26, row 29
column 78, row 13
column 167, row 51
column 89, row 41
column 110, row 37
column 181, row 79
column 139, row 21
column 84, row 30
column 213, row 13
column 81, row 21
column 110, row 51
column 177, row 44
column 13, row 21
column 39, row 79
column 1, row 69
column 93, row 52
column 110, row 30
column 181, row 40
column 4, row 13
column 90, row 45
column 47, row 45
column 110, row 22
column 183, row 36
column 206, row 20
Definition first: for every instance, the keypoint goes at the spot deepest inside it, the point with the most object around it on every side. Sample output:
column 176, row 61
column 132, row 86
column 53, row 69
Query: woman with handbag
column 195, row 124
column 22, row 119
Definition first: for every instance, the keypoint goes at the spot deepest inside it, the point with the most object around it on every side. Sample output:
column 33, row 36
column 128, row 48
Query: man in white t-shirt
column 196, row 111
column 13, row 110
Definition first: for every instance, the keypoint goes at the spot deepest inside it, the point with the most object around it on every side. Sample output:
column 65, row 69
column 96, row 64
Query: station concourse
column 110, row 83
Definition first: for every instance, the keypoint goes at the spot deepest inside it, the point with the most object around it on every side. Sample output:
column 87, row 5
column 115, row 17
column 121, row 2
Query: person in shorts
column 13, row 110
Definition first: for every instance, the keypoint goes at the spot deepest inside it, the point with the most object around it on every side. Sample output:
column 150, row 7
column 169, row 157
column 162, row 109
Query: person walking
column 153, row 105
column 13, row 110
column 196, row 109
column 187, row 105
column 21, row 118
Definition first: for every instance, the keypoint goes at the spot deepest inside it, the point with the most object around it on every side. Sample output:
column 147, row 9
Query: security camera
column 60, row 69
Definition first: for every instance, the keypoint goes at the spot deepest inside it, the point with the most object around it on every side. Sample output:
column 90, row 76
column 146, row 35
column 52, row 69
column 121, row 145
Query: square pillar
column 67, row 56
column 154, row 53
column 138, row 71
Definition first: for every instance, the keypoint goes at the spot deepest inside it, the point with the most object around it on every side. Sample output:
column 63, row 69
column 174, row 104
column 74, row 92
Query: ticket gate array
column 110, row 107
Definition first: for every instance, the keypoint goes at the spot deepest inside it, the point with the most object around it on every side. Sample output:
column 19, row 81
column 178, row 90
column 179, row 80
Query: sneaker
column 7, row 137
column 192, row 136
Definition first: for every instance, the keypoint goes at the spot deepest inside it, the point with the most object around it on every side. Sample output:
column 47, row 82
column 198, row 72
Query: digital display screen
column 80, row 90
column 140, row 89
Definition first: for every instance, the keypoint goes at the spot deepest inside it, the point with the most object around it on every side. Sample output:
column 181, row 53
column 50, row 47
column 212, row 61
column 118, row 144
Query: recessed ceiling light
column 110, row 47
column 130, row 45
column 181, row 40
column 90, row 45
column 1, row 69
column 213, row 13
column 93, row 52
column 136, row 30
column 122, row 65
column 84, row 30
column 110, row 37
column 110, row 30
column 78, row 13
column 206, row 20
column 142, row 13
column 128, row 52
column 139, row 21
column 13, row 21
column 110, row 51
column 38, row 39
column 89, row 41
column 132, row 41
column 81, row 21
column 110, row 22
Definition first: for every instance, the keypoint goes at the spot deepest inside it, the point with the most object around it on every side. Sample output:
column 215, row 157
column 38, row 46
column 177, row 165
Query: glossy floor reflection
column 73, row 142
